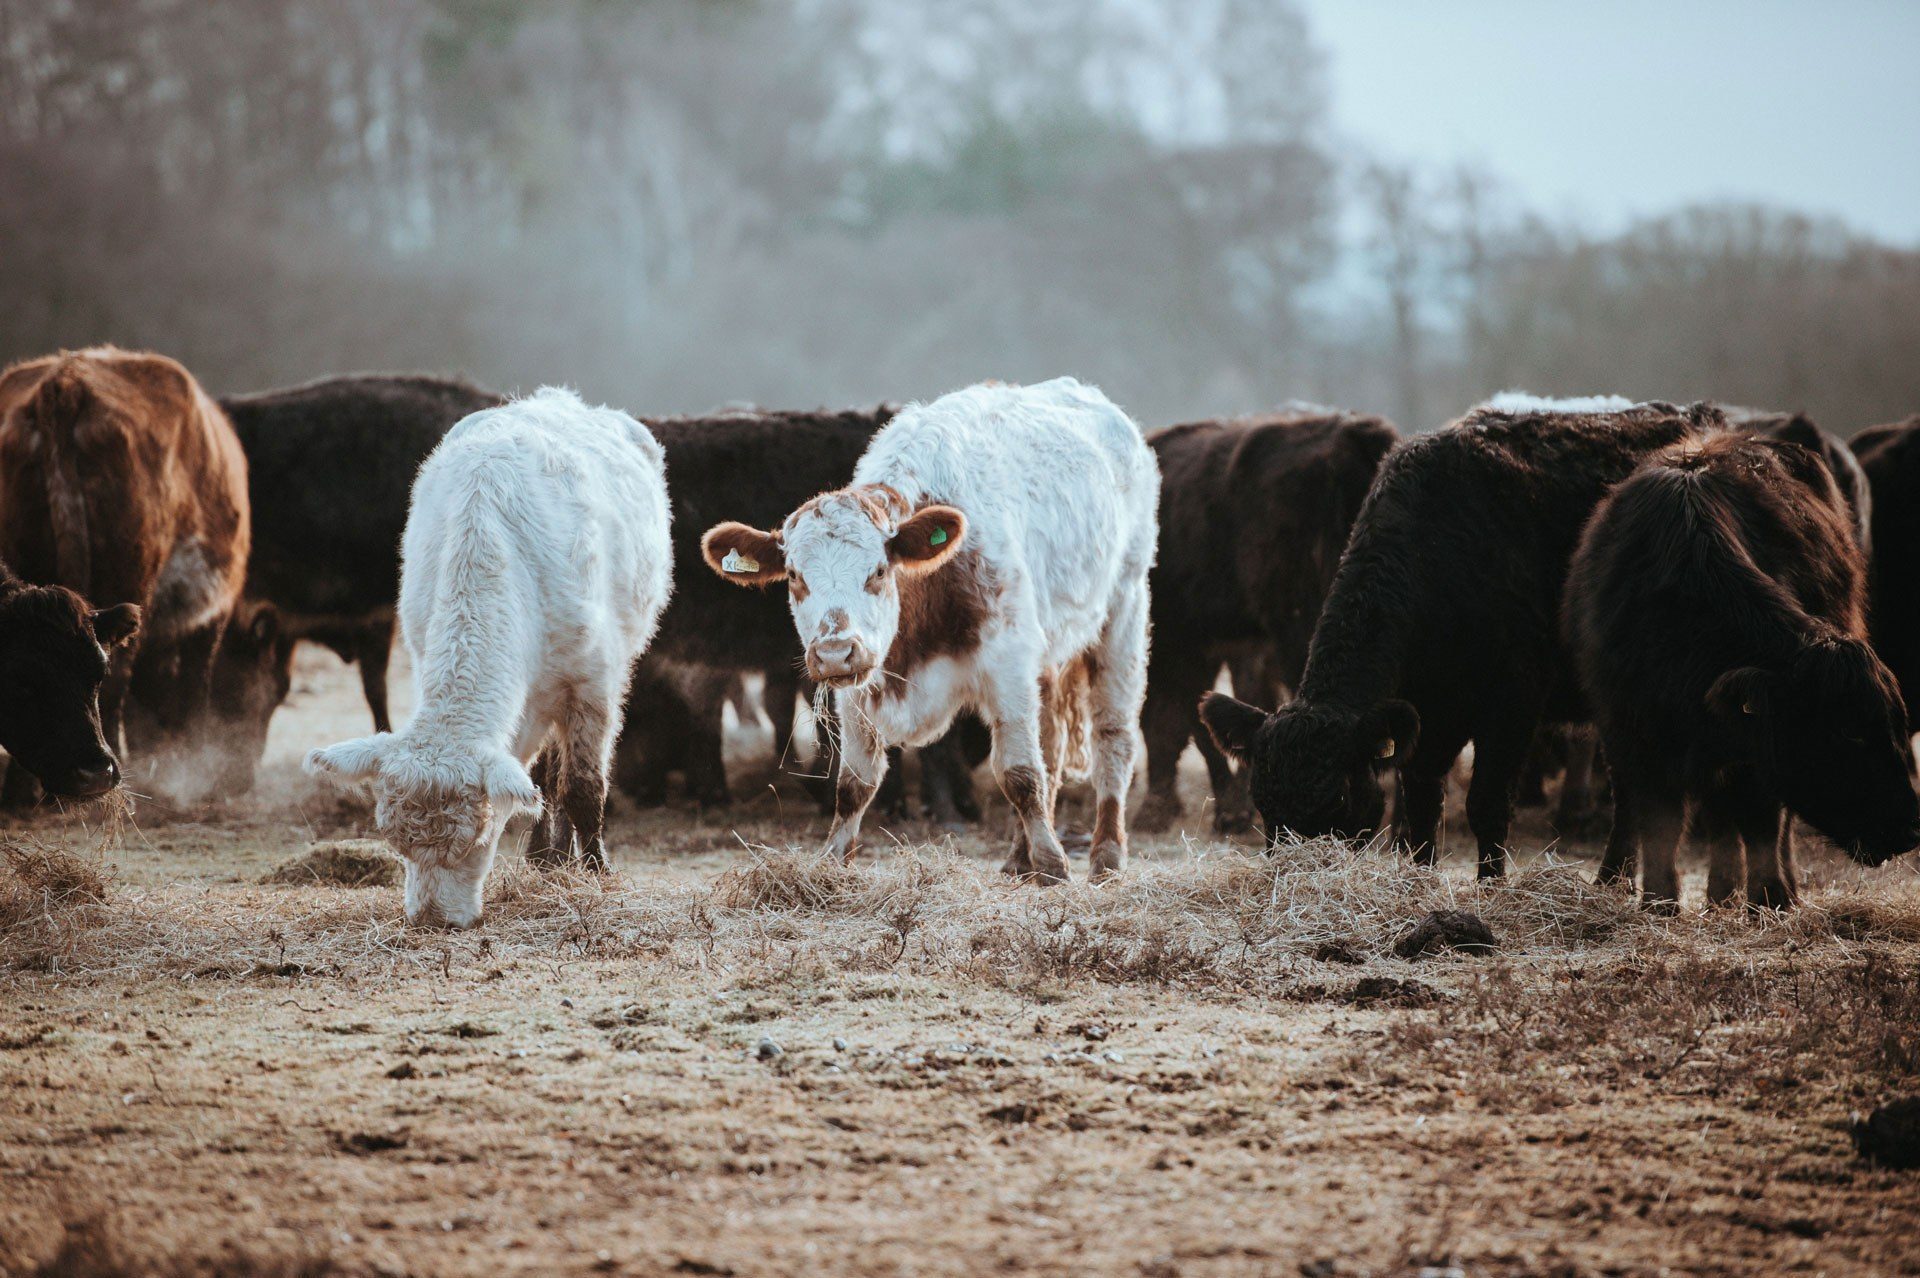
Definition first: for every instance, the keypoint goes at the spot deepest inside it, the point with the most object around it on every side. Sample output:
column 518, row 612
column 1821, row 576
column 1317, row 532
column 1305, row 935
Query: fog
column 1207, row 206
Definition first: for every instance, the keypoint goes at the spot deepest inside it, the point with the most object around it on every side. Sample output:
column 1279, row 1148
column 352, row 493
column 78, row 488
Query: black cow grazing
column 673, row 724
column 53, row 659
column 1254, row 513
column 1717, row 612
column 1890, row 456
column 330, row 468
column 1442, row 626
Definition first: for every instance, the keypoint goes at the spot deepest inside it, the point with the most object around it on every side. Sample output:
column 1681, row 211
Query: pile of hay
column 347, row 863
column 47, row 898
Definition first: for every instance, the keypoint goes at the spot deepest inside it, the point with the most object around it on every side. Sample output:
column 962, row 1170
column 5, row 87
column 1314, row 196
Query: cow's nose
column 88, row 782
column 837, row 658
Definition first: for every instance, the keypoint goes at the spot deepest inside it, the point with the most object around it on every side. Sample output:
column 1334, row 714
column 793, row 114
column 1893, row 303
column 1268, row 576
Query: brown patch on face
column 941, row 614
column 850, row 796
column 1025, row 790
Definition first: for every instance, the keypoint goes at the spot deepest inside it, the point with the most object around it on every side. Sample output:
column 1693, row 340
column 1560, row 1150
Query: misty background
column 1205, row 206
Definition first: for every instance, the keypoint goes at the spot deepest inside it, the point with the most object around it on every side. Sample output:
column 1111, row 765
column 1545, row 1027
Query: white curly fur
column 534, row 568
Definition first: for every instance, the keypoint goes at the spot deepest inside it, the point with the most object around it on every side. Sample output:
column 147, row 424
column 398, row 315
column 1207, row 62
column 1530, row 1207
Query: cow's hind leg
column 588, row 732
column 1712, row 828
column 1768, row 834
column 550, row 844
column 1117, row 684
column 1168, row 721
column 1499, row 756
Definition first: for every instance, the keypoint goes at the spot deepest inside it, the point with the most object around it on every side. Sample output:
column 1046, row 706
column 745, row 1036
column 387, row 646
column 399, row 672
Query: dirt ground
column 732, row 1058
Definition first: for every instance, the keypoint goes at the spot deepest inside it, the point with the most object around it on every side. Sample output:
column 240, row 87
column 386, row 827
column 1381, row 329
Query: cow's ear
column 1231, row 723
column 355, row 760
column 114, row 626
column 927, row 538
column 509, row 785
column 1390, row 731
column 1741, row 697
column 745, row 556
column 263, row 627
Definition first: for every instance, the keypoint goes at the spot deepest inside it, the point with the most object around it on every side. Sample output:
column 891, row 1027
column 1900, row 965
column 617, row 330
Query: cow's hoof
column 1156, row 816
column 1660, row 906
column 1049, row 868
column 1017, row 866
column 1772, row 894
column 1231, row 822
column 1108, row 860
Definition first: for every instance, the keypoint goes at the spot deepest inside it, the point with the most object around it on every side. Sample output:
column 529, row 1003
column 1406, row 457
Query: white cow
column 534, row 568
column 992, row 554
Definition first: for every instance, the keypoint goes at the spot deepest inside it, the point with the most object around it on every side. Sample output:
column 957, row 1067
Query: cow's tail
column 1069, row 713
column 51, row 416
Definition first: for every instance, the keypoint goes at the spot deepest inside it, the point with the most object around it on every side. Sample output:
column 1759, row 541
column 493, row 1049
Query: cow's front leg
column 1020, row 767
column 863, row 764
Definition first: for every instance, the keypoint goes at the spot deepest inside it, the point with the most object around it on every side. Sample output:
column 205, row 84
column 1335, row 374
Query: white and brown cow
column 992, row 549
column 532, row 574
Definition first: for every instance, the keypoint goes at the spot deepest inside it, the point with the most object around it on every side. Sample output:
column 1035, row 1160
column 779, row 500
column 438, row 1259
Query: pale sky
column 1606, row 110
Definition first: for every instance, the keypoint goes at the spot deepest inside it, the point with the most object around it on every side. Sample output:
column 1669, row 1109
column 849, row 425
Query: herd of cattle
column 1723, row 594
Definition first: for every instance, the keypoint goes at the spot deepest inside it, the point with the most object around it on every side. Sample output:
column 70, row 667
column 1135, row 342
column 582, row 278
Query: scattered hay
column 347, row 863
column 48, row 899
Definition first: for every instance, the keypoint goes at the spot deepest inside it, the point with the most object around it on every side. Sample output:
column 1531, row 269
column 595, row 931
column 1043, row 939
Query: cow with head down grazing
column 532, row 575
column 991, row 554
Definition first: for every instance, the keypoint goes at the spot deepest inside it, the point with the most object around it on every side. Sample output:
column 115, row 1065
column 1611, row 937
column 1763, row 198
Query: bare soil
column 733, row 1058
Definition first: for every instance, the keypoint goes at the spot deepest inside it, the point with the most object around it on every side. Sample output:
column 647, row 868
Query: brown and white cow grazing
column 121, row 479
column 991, row 552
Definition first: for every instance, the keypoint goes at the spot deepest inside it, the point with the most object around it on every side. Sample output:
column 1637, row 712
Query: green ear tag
column 938, row 537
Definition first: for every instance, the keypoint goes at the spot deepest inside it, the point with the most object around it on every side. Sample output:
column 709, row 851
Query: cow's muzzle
column 840, row 662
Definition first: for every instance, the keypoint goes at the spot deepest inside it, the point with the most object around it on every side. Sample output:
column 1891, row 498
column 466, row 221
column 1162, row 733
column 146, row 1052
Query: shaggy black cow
column 1716, row 609
column 1253, row 515
column 1890, row 456
column 1848, row 474
column 52, row 662
column 1442, row 626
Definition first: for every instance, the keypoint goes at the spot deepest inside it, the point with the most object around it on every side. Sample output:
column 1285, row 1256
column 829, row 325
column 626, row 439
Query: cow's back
column 757, row 467
column 1708, row 558
column 123, row 480
column 1451, row 582
column 536, row 528
column 1254, row 513
column 1058, row 486
column 330, row 468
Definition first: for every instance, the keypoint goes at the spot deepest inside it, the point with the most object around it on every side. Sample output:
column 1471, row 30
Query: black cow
column 1890, row 456
column 1254, row 513
column 53, row 659
column 1442, row 626
column 1717, row 613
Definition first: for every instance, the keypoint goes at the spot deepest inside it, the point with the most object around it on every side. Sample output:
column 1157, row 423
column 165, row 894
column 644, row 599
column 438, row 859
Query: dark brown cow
column 1890, row 455
column 1254, row 513
column 1442, row 626
column 53, row 659
column 1716, row 609
column 122, row 481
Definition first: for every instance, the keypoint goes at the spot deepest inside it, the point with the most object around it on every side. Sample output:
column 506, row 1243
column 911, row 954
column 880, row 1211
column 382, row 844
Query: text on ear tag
column 737, row 562
column 938, row 537
column 1384, row 750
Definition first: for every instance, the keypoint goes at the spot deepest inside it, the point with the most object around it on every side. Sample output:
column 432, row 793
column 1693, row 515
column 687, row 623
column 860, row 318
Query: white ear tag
column 737, row 562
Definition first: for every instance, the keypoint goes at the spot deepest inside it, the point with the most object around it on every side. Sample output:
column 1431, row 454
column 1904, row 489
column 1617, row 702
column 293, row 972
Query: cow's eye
column 797, row 585
column 876, row 580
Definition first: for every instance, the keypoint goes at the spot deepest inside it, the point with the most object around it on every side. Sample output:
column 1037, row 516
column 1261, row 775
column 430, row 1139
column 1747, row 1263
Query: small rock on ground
column 1890, row 1136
